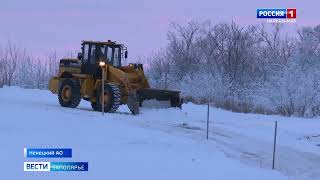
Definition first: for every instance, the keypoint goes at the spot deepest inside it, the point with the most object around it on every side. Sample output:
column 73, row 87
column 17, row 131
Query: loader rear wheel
column 69, row 93
column 111, row 96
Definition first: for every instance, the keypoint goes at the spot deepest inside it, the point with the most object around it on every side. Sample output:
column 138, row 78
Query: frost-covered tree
column 9, row 57
column 243, row 68
column 19, row 68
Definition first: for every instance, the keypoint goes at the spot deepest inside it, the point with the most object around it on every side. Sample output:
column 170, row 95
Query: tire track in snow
column 291, row 162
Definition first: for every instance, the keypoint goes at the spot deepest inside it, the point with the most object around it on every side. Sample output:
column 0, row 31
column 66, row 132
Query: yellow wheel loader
column 82, row 78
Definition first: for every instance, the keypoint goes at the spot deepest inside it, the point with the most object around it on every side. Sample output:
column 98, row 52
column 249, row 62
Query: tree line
column 255, row 68
column 20, row 68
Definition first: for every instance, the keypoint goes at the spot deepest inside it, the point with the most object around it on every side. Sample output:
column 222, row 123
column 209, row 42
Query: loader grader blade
column 162, row 95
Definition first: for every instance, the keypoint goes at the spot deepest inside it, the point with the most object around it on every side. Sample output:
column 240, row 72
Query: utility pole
column 274, row 143
column 208, row 121
column 102, row 65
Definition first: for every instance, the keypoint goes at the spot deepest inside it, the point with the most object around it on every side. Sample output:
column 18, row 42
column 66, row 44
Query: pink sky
column 43, row 26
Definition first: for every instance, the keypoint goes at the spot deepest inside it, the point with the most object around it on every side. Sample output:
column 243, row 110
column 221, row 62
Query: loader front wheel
column 69, row 93
column 111, row 98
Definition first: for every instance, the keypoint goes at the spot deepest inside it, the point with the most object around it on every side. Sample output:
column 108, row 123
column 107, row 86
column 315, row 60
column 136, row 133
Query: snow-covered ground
column 157, row 144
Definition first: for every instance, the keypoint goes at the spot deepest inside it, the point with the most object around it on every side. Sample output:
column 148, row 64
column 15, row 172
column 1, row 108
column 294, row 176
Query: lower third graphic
column 55, row 166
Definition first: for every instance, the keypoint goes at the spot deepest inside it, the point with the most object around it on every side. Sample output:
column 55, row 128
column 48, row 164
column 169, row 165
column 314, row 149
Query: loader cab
column 94, row 52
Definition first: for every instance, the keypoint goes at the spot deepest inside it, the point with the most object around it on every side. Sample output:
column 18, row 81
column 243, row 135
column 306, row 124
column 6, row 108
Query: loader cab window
column 85, row 53
column 89, row 65
column 112, row 54
column 117, row 57
column 109, row 54
column 93, row 54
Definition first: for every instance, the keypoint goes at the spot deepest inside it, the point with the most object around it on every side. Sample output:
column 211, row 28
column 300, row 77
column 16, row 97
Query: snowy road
column 158, row 140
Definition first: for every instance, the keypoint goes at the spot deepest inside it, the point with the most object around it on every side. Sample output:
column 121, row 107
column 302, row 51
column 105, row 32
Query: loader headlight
column 101, row 63
column 134, row 66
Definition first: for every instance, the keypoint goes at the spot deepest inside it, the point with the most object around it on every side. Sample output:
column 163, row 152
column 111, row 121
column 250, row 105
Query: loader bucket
column 160, row 95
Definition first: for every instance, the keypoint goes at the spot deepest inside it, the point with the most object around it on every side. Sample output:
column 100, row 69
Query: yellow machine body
column 130, row 80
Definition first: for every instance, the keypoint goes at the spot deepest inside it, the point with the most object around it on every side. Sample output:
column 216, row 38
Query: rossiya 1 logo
column 285, row 15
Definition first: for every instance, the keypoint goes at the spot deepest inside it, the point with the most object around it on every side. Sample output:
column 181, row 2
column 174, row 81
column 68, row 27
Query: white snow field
column 157, row 144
